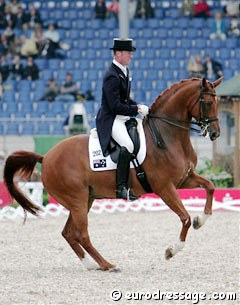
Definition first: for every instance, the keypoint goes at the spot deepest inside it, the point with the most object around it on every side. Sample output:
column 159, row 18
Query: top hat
column 120, row 44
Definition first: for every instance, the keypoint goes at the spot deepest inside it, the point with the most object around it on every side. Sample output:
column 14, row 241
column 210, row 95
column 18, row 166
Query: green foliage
column 218, row 175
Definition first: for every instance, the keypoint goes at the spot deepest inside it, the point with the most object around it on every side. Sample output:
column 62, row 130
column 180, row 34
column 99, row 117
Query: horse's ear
column 217, row 82
column 204, row 82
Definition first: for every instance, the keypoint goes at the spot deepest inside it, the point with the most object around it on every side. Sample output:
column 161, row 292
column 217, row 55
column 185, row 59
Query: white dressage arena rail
column 34, row 190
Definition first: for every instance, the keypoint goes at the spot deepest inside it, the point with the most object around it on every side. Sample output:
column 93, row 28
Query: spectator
column 232, row 9
column 100, row 10
column 219, row 29
column 9, row 35
column 201, row 9
column 195, row 66
column 9, row 16
column 68, row 91
column 28, row 47
column 187, row 8
column 4, row 68
column 33, row 17
column 2, row 6
column 4, row 46
column 37, row 37
column 49, row 49
column 132, row 6
column 17, row 68
column 212, row 68
column 31, row 71
column 144, row 9
column 1, row 87
column 51, row 91
column 21, row 19
column 51, row 43
column 113, row 9
column 233, row 28
column 3, row 21
column 14, row 4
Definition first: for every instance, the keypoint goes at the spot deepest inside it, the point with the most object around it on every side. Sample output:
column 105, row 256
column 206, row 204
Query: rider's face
column 124, row 57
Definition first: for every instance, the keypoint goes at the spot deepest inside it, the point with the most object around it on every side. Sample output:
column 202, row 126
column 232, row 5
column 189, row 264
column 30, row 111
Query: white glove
column 143, row 110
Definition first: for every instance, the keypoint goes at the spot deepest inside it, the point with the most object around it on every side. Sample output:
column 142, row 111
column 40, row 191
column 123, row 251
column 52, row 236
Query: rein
column 203, row 120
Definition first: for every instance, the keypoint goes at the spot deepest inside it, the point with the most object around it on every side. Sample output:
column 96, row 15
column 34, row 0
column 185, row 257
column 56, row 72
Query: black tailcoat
column 115, row 101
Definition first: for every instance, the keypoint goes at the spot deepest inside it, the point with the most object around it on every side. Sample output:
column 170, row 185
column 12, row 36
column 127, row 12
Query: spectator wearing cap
column 116, row 108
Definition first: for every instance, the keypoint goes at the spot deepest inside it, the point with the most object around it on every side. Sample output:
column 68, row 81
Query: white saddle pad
column 100, row 163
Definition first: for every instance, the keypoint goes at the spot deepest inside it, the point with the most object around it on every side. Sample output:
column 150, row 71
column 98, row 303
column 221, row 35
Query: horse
column 169, row 165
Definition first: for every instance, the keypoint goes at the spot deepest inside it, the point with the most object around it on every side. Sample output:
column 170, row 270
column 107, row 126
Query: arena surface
column 37, row 266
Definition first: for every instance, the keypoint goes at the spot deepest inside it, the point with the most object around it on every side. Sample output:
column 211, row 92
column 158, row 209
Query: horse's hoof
column 196, row 223
column 168, row 253
column 115, row 269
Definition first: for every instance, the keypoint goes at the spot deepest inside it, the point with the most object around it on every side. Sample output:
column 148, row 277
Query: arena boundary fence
column 194, row 200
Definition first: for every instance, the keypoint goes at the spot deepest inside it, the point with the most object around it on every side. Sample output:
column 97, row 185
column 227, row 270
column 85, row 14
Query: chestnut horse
column 169, row 165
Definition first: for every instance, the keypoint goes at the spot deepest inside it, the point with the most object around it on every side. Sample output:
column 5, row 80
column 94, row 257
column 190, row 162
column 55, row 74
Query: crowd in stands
column 27, row 36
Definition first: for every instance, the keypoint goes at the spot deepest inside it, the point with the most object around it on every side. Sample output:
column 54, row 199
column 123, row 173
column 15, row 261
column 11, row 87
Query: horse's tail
column 21, row 163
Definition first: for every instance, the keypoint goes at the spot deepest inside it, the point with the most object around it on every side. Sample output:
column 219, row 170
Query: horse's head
column 205, row 109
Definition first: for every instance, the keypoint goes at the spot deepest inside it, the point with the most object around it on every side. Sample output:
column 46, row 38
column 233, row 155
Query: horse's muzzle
column 214, row 132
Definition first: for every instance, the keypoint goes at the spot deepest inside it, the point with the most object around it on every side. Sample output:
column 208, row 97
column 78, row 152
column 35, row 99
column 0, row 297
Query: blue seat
column 72, row 14
column 138, row 23
column 171, row 43
column 228, row 73
column 225, row 53
column 69, row 64
column 159, row 64
column 43, row 128
column 54, row 63
column 57, row 14
column 80, row 24
column 153, row 23
column 46, row 74
column 11, row 108
column 64, row 24
column 27, row 128
column 110, row 23
column 42, row 107
column 182, row 22
column 198, row 23
column 57, row 107
column 56, row 129
column 8, row 96
column 12, row 128
column 74, row 34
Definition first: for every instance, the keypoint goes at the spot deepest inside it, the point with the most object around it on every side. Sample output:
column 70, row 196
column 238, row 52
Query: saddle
column 99, row 163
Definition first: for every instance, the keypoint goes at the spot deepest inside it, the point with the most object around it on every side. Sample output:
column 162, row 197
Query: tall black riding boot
column 123, row 175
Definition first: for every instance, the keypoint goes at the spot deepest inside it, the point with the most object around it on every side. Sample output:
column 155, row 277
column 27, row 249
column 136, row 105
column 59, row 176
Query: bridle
column 203, row 120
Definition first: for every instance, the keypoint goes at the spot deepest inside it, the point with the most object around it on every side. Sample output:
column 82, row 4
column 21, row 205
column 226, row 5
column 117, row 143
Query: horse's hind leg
column 79, row 224
column 69, row 233
column 198, row 181
column 78, row 239
column 172, row 199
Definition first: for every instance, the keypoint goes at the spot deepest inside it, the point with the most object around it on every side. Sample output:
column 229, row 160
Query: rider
column 116, row 108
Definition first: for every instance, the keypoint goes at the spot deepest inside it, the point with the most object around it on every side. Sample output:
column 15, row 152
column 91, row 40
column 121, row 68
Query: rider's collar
column 123, row 68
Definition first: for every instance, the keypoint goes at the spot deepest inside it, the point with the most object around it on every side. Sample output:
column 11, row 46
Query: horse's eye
column 209, row 104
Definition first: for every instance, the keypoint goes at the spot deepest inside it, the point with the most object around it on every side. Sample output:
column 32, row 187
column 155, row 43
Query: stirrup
column 126, row 194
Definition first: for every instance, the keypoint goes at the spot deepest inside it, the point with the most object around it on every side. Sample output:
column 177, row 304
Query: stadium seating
column 164, row 45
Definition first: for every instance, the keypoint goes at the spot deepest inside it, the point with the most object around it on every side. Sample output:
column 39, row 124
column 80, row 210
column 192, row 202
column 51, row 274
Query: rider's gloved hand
column 143, row 110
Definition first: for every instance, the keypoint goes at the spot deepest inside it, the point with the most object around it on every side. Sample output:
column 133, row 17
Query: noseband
column 203, row 121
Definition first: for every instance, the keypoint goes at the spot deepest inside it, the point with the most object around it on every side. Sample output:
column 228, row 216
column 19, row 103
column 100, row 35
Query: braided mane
column 165, row 95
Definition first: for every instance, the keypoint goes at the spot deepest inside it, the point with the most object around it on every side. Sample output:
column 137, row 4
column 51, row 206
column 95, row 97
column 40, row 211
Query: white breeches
column 120, row 134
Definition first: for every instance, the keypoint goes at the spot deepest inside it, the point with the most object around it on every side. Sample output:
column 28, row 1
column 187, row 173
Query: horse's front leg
column 170, row 196
column 196, row 181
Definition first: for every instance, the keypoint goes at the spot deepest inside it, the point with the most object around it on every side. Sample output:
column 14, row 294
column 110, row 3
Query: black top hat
column 123, row 45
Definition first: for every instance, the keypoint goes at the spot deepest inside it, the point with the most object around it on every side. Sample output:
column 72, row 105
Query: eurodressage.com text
column 195, row 297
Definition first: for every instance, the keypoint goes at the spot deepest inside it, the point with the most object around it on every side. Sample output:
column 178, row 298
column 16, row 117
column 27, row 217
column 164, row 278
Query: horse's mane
column 167, row 93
